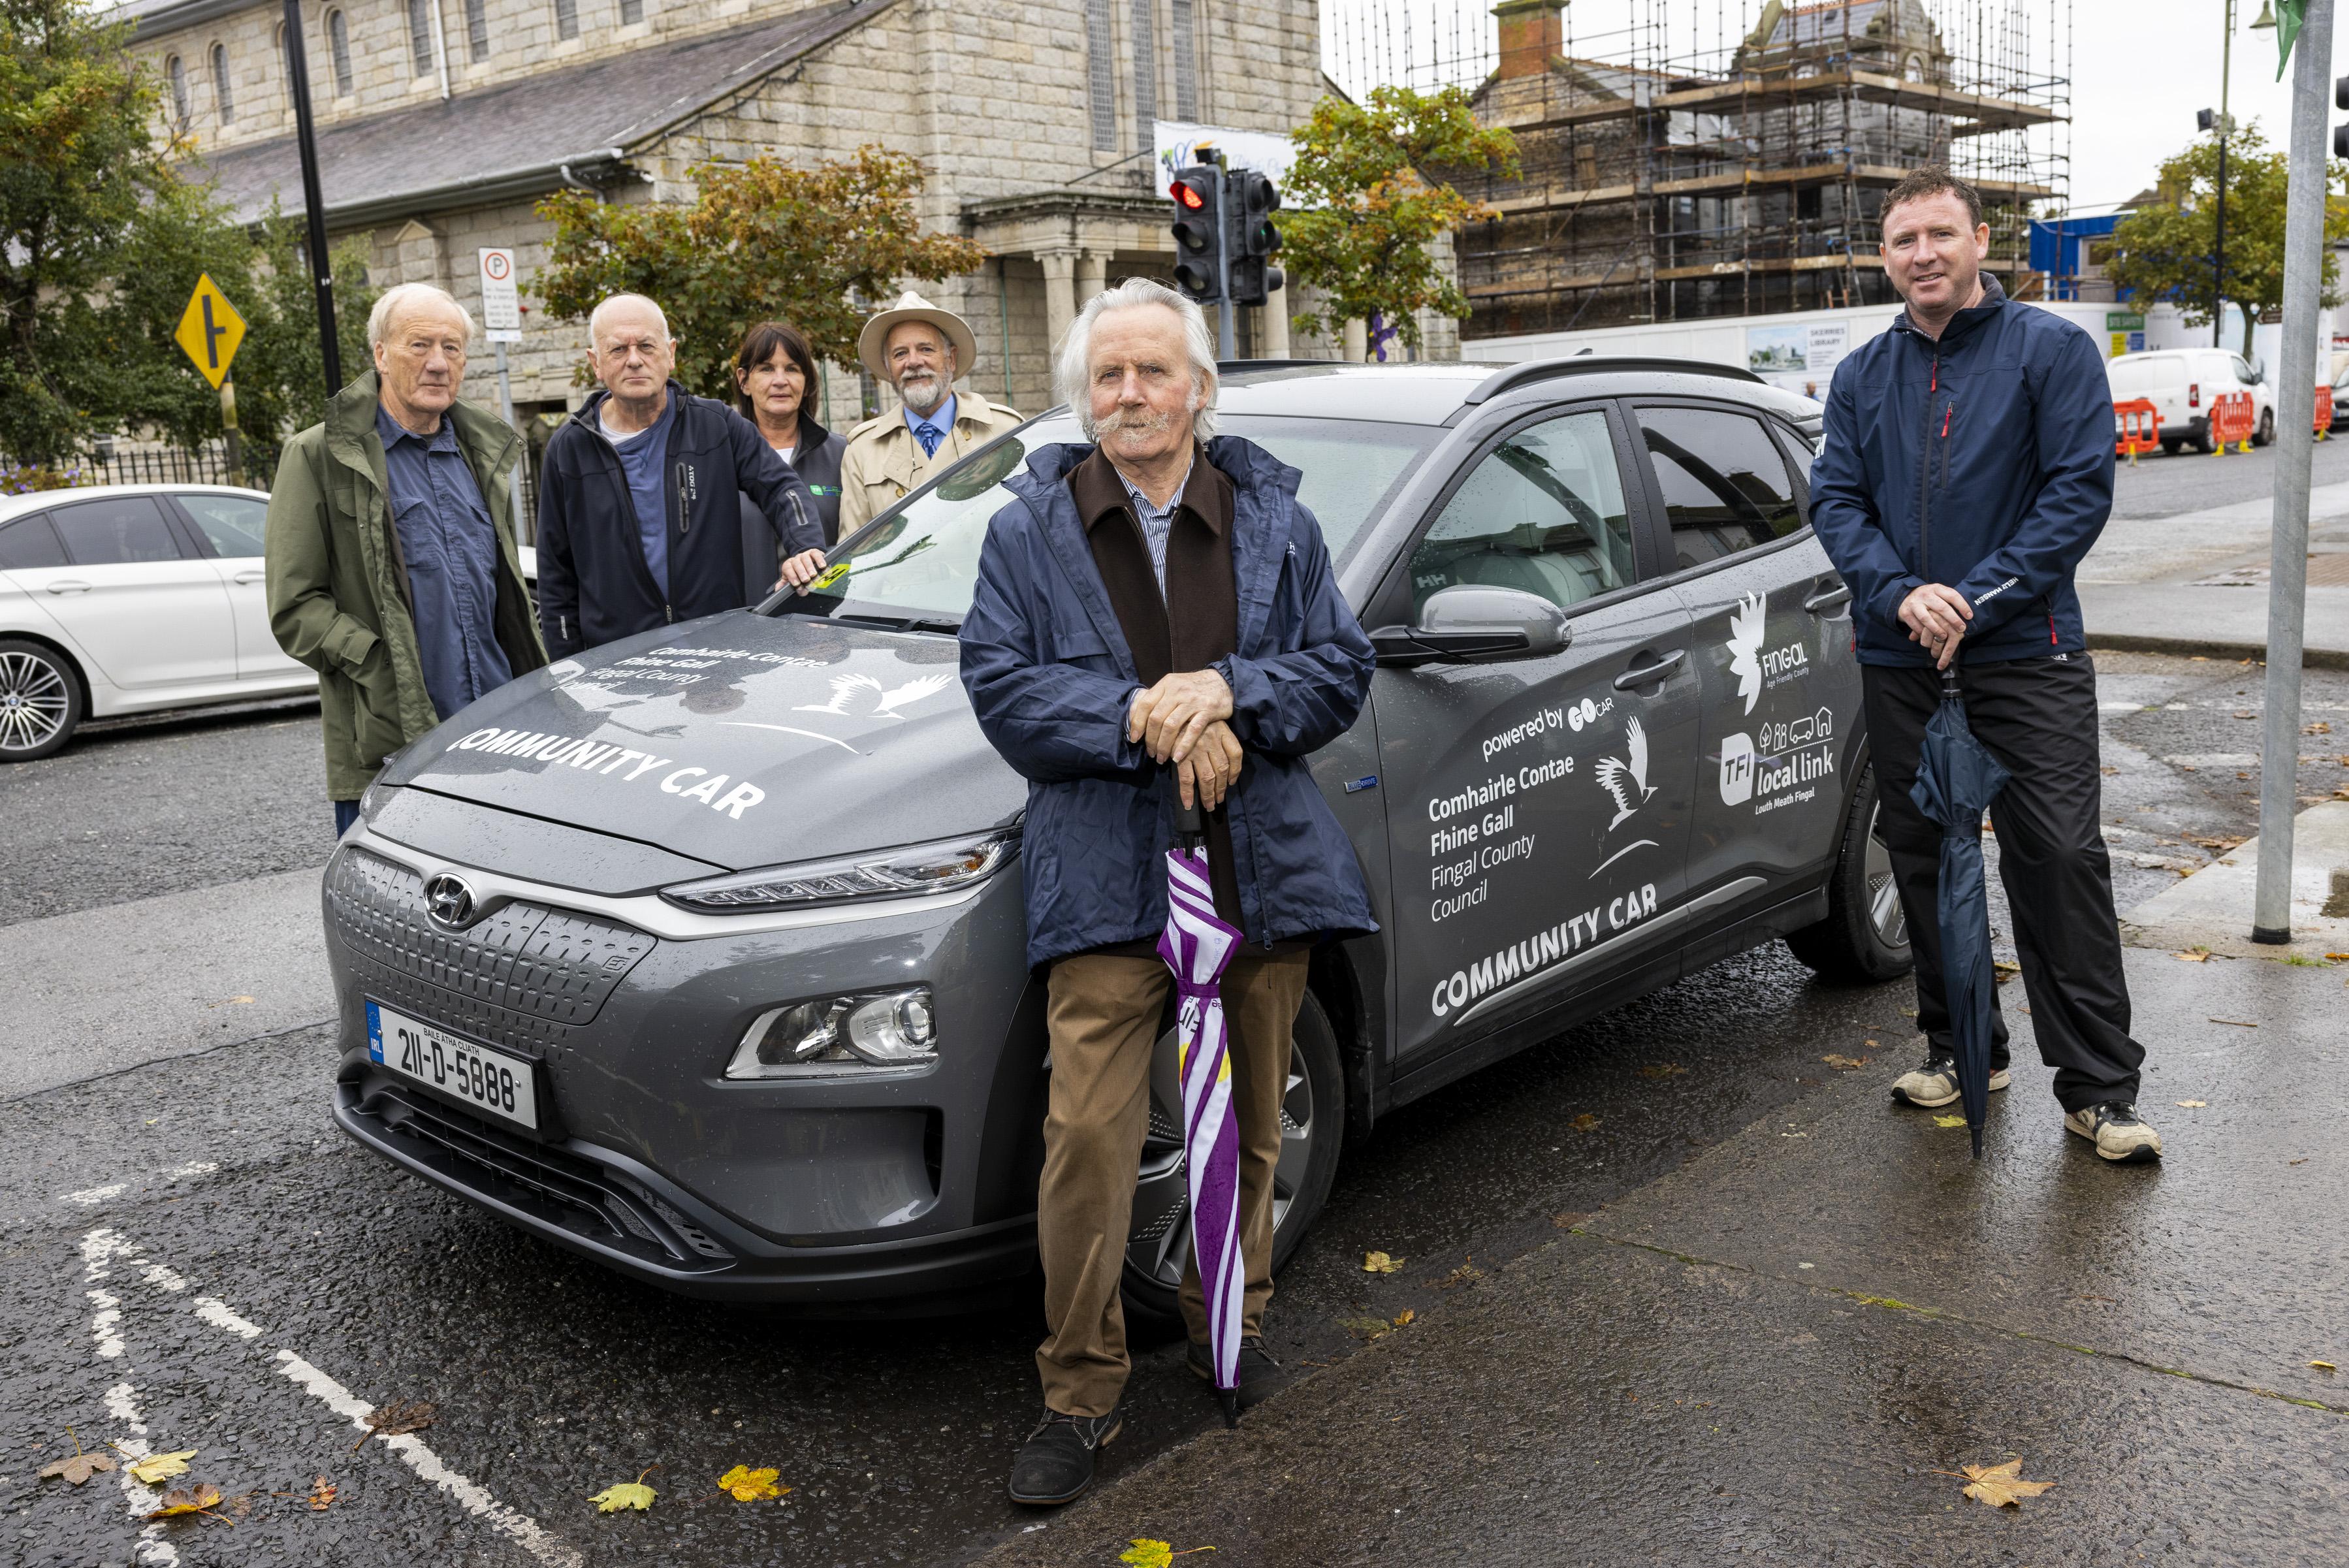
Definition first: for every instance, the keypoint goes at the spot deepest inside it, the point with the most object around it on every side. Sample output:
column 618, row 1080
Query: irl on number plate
column 489, row 1080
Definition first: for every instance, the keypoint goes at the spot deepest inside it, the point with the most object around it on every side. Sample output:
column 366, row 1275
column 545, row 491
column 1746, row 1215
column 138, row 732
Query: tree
column 101, row 244
column 2166, row 251
column 763, row 241
column 1358, row 214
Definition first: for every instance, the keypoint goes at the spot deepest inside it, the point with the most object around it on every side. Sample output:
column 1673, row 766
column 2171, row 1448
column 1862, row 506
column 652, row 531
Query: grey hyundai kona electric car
column 701, row 953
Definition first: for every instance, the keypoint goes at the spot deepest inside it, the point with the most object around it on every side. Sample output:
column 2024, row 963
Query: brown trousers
column 1103, row 1015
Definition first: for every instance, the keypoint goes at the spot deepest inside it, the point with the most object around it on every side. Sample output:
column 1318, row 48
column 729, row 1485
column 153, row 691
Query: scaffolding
column 1684, row 158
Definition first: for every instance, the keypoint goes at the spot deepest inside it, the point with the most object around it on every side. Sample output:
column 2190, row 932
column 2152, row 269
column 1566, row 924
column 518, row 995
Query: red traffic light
column 1183, row 192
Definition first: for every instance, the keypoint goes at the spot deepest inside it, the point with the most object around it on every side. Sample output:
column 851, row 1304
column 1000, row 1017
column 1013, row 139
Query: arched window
column 567, row 18
column 420, row 36
column 477, row 29
column 338, row 47
column 176, row 75
column 222, row 98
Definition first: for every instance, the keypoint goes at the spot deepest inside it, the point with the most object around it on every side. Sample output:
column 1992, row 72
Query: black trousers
column 2037, row 717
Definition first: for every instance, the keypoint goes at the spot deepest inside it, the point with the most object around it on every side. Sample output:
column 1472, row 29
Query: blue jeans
column 346, row 812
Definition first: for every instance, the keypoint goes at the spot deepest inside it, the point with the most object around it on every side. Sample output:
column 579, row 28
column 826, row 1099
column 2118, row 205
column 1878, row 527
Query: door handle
column 1649, row 674
column 68, row 586
column 1827, row 600
column 254, row 576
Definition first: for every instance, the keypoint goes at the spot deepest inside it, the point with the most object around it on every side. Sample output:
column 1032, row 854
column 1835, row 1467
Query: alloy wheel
column 1885, row 915
column 33, row 701
column 1159, row 1244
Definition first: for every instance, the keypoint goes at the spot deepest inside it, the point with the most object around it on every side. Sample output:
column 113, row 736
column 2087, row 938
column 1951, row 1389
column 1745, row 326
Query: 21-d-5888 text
column 490, row 1079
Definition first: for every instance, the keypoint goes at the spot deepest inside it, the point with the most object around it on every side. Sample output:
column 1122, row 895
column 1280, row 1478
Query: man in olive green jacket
column 342, row 599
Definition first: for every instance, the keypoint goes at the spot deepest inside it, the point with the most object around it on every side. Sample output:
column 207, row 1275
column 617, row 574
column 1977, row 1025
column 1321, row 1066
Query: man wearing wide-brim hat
column 919, row 350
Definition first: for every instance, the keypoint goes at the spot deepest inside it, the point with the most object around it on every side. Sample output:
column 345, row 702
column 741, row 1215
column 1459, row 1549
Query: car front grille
column 524, row 973
column 554, row 1184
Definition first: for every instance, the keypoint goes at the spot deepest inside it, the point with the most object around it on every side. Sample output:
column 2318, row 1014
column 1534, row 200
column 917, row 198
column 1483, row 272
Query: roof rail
column 1588, row 364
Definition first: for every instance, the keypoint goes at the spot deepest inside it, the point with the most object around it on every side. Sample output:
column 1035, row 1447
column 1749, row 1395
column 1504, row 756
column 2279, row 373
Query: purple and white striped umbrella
column 1196, row 946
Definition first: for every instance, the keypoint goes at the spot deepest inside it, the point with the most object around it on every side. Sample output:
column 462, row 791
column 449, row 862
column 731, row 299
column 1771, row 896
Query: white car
column 127, row 599
column 2182, row 384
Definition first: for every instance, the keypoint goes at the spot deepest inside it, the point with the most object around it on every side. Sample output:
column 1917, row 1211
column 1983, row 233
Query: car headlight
column 942, row 867
column 810, row 1039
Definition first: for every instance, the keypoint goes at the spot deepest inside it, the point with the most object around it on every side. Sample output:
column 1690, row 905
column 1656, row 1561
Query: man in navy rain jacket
column 1966, row 470
column 1155, row 615
column 641, row 494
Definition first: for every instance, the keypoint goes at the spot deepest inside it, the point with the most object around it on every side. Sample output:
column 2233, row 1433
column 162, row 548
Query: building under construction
column 1668, row 175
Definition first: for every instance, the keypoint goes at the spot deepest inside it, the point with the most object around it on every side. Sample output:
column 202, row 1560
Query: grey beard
column 936, row 395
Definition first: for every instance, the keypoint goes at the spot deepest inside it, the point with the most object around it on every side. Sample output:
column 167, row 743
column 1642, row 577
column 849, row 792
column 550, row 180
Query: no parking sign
column 501, row 301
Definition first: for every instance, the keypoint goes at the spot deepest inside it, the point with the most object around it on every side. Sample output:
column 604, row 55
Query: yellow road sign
column 210, row 330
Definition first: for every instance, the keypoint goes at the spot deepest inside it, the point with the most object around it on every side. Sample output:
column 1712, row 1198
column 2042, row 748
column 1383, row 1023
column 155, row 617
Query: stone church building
column 442, row 122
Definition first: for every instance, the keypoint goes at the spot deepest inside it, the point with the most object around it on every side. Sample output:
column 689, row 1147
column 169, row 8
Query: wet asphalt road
column 2160, row 486
column 245, row 1242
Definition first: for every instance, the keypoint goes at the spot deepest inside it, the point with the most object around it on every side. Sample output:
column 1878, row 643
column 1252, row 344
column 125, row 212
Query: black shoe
column 1257, row 1369
column 1056, row 1463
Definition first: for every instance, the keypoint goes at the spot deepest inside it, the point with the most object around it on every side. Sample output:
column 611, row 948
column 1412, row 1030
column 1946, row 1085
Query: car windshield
column 918, row 563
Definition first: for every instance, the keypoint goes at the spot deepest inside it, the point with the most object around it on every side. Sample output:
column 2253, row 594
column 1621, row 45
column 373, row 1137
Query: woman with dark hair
column 774, row 385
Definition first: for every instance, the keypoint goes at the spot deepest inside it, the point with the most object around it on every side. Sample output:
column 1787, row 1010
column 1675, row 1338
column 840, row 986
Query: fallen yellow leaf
column 1842, row 1063
column 627, row 1494
column 157, row 1468
column 1949, row 1121
column 2001, row 1486
column 1146, row 1553
column 747, row 1485
column 2193, row 1105
column 322, row 1495
column 1584, row 1123
column 202, row 1499
column 1403, row 1319
column 1380, row 1263
column 2198, row 955
column 78, row 1468
column 2324, row 1366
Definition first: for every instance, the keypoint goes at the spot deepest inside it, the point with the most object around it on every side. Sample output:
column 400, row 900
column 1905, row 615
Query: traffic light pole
column 2303, row 281
column 1228, row 337
column 306, row 134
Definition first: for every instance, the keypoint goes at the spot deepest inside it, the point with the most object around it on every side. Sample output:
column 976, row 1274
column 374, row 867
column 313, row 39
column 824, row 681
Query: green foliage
column 763, row 241
column 101, row 244
column 2165, row 250
column 1360, row 213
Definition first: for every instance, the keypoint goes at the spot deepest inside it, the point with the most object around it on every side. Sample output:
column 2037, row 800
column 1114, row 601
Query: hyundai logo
column 450, row 901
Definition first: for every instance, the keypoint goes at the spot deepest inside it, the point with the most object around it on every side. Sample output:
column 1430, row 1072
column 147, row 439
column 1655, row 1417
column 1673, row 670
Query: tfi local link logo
column 1748, row 661
column 1790, row 753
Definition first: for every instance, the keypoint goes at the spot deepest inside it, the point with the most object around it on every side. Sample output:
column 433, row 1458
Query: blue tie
column 930, row 435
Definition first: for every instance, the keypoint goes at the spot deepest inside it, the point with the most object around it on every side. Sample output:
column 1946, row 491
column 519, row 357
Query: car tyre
column 2171, row 446
column 1313, row 1126
column 1865, row 936
column 2203, row 441
column 40, row 701
column 2267, row 428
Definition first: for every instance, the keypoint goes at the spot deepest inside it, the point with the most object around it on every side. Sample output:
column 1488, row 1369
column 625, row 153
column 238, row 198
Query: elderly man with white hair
column 1156, row 621
column 640, row 498
column 392, row 562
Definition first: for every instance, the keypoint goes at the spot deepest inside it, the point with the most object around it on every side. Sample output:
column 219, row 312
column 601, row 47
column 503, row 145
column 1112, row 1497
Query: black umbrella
column 1956, row 780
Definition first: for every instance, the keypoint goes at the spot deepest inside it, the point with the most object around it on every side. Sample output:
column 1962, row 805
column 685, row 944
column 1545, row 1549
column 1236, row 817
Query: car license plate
column 489, row 1080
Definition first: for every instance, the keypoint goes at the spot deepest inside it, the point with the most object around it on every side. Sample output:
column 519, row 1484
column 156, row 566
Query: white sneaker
column 2120, row 1134
column 1936, row 1083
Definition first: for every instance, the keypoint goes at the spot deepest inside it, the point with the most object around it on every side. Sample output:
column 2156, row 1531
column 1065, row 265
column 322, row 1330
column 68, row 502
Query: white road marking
column 194, row 1168
column 100, row 1248
column 92, row 1196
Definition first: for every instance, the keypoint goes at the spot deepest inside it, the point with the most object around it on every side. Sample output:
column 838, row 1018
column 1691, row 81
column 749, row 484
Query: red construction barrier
column 2232, row 421
column 2323, row 411
column 2136, row 427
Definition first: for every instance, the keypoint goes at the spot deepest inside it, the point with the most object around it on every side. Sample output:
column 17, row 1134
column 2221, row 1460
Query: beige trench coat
column 884, row 461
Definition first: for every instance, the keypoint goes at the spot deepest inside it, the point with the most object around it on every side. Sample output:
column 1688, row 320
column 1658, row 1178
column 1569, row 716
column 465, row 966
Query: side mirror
column 1472, row 624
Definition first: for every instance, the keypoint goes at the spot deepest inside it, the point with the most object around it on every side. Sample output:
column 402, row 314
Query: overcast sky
column 2134, row 93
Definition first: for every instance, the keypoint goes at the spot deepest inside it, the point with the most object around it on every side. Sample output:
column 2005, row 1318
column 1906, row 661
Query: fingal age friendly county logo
column 1745, row 626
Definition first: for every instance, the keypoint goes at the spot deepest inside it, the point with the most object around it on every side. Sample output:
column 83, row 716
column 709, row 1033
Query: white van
column 2181, row 383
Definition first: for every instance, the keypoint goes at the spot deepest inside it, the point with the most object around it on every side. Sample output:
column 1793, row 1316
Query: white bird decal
column 1621, row 779
column 1745, row 624
column 884, row 701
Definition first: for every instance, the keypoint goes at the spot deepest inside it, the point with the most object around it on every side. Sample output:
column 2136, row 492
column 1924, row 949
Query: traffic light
column 1254, row 238
column 1198, row 221
column 2341, row 132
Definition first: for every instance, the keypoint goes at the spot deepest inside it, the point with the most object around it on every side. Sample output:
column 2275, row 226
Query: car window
column 921, row 561
column 1801, row 452
column 2242, row 371
column 119, row 529
column 30, row 542
column 235, row 525
column 1723, row 483
column 1542, row 512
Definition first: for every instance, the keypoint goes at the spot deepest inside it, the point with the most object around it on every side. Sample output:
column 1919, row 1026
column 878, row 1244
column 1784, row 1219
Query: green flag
column 2290, row 14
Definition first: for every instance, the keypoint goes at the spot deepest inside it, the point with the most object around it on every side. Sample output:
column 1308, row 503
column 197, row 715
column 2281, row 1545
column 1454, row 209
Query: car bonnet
column 739, row 741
